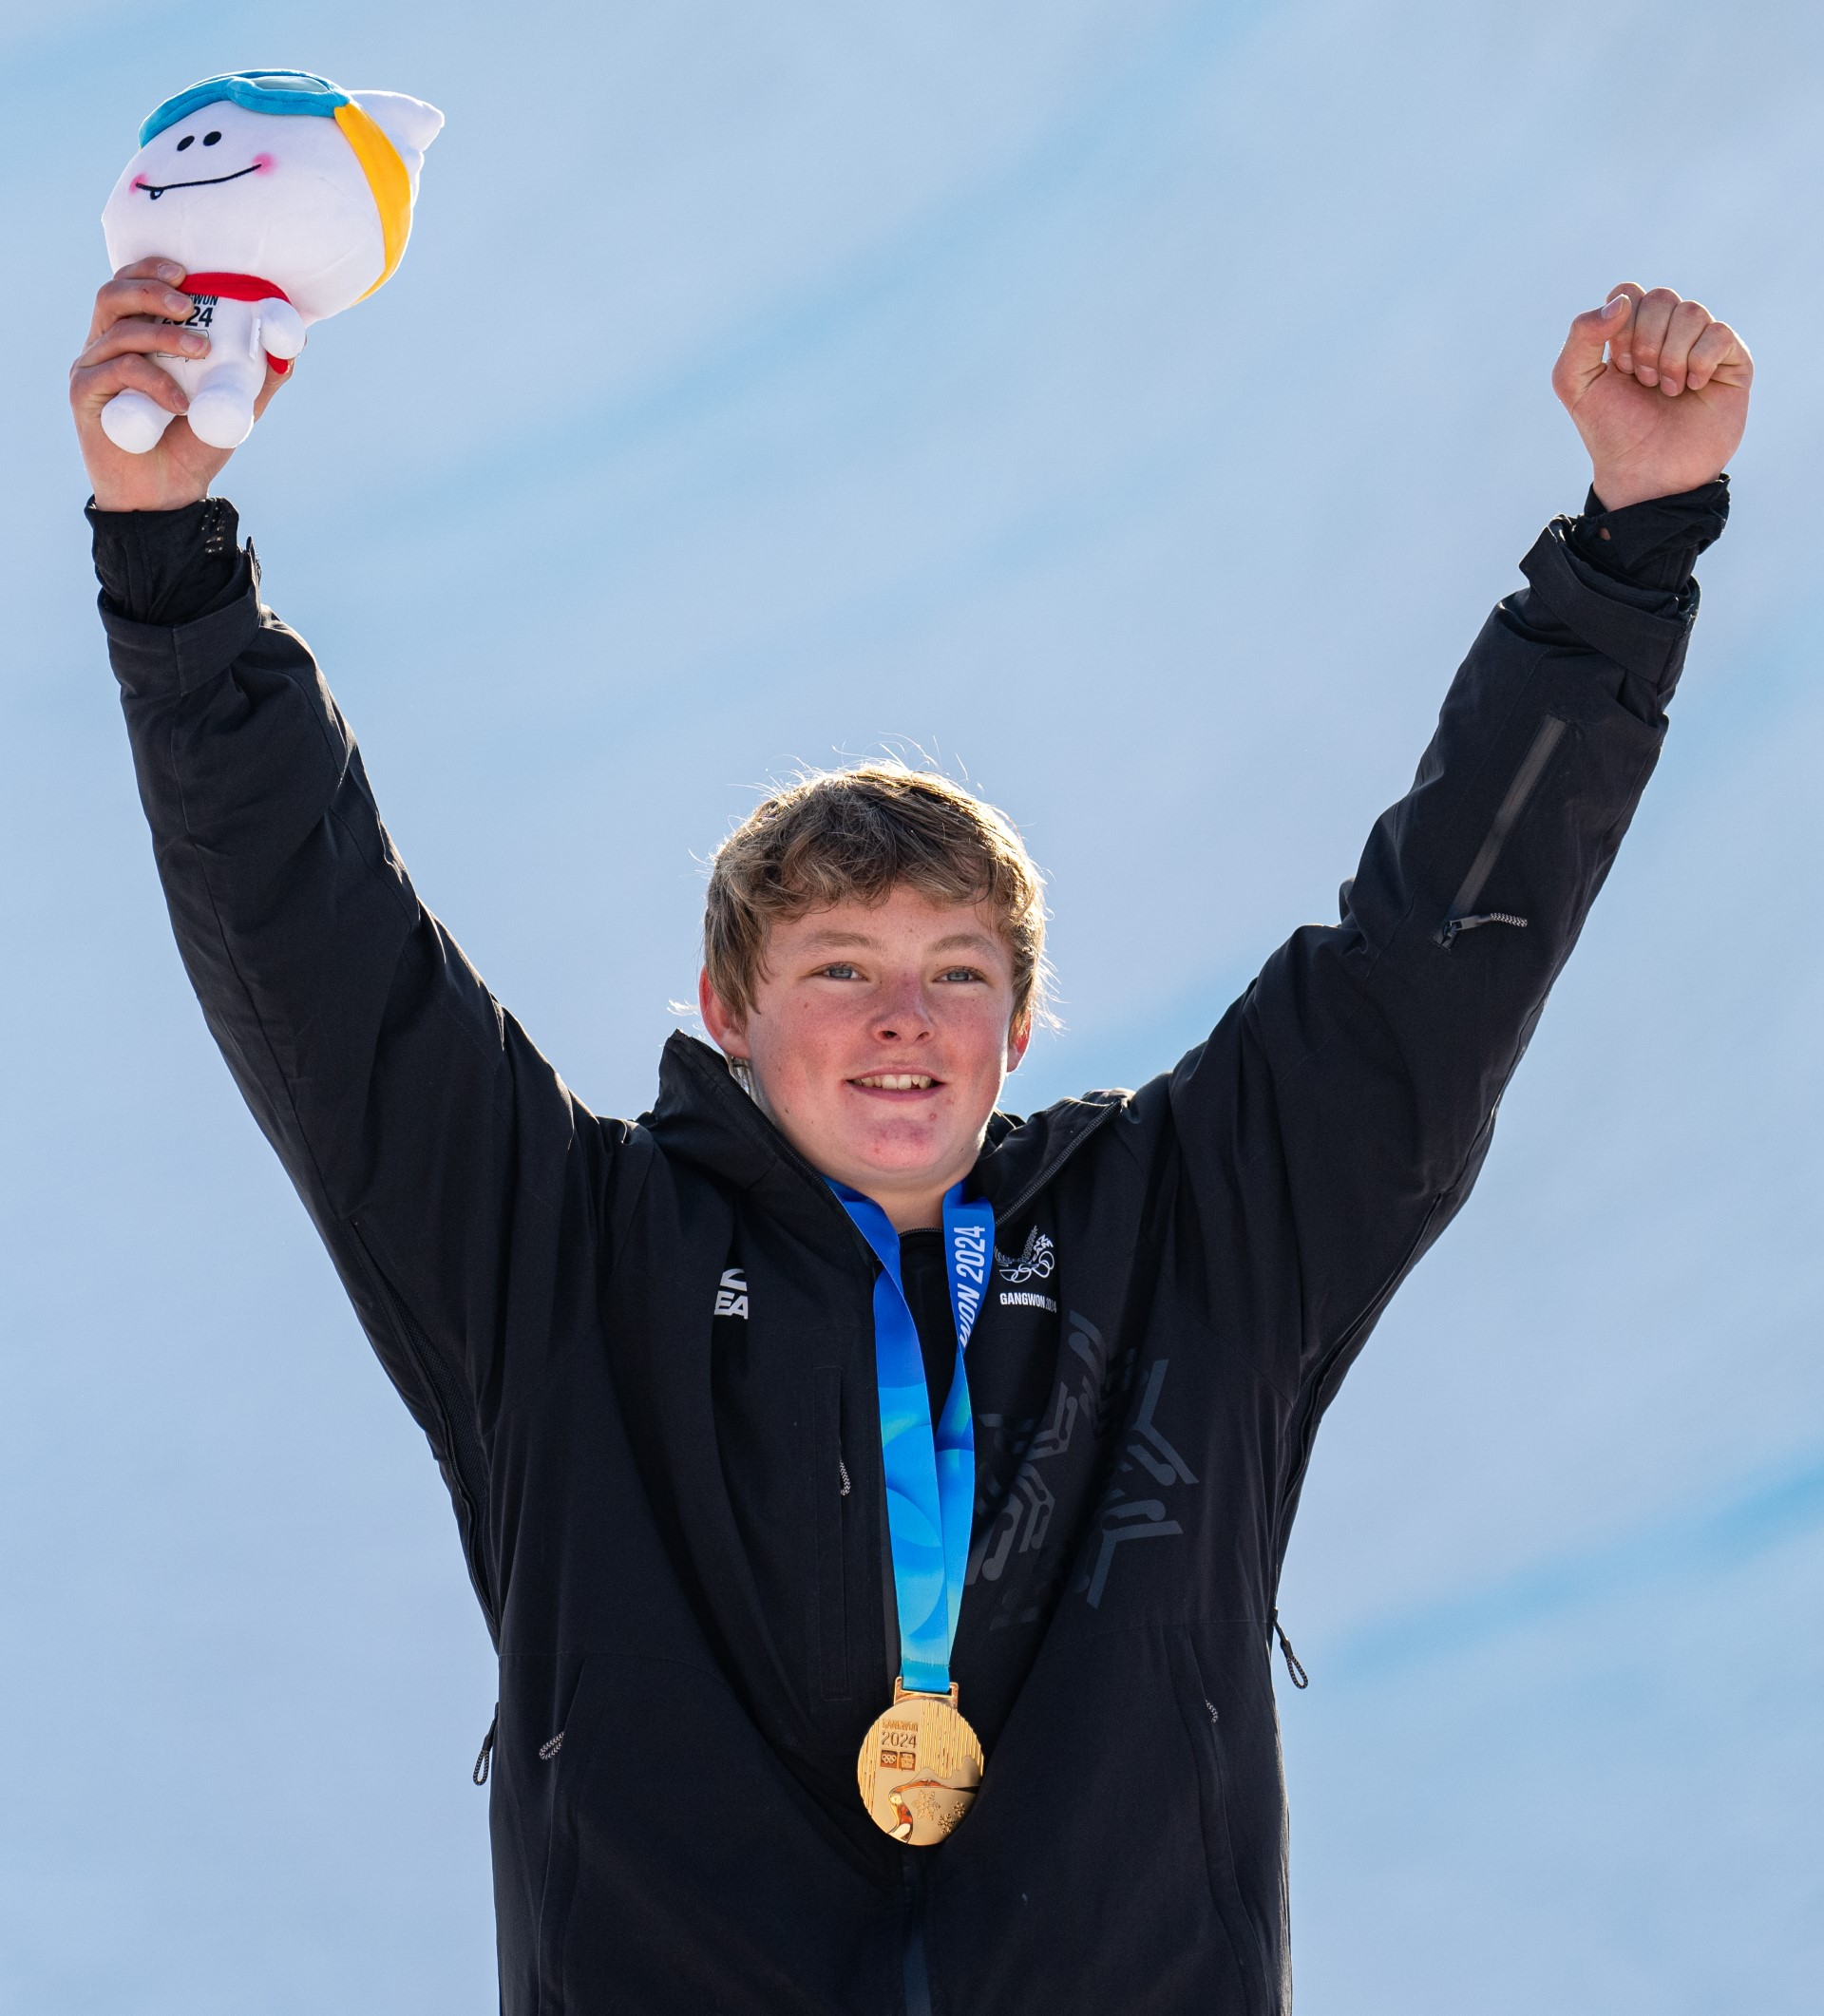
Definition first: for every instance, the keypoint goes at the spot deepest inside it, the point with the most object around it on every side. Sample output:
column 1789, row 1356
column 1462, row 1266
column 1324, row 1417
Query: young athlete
column 845, row 1668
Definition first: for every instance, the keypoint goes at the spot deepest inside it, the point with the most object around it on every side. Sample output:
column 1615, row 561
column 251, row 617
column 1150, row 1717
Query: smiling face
column 227, row 190
column 880, row 1037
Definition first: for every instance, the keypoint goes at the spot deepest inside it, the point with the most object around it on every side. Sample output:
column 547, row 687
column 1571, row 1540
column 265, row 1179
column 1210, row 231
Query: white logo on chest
column 732, row 1297
column 1036, row 1262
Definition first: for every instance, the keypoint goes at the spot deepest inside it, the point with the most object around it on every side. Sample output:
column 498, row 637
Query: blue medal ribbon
column 930, row 1476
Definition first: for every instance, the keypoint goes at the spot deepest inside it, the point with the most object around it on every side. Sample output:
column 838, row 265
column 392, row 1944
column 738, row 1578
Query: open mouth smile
column 154, row 190
column 895, row 1081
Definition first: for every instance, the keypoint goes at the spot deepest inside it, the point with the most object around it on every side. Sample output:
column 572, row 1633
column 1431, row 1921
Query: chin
column 896, row 1159
column 925, row 1156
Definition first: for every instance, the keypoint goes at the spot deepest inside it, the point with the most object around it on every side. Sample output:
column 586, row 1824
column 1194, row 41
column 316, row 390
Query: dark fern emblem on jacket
column 1036, row 1261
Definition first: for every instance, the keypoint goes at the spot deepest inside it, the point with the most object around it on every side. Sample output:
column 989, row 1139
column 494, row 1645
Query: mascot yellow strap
column 386, row 178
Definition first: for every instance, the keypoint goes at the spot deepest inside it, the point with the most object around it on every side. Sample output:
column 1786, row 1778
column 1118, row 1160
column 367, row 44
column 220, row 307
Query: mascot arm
column 281, row 329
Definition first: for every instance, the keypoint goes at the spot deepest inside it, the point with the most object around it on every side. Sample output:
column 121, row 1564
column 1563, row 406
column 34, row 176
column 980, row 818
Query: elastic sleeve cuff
column 169, row 567
column 152, row 657
column 1643, row 630
column 1653, row 544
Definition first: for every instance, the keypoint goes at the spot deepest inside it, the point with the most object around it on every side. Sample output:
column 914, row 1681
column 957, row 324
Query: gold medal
column 918, row 1768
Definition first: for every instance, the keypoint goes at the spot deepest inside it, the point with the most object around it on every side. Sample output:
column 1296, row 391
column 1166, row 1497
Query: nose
column 899, row 1012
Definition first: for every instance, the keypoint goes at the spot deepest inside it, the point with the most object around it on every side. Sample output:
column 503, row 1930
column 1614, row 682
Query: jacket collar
column 704, row 1115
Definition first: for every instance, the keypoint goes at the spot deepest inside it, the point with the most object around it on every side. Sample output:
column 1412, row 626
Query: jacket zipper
column 483, row 1762
column 1294, row 1664
column 1308, row 1425
column 915, row 1970
column 1526, row 781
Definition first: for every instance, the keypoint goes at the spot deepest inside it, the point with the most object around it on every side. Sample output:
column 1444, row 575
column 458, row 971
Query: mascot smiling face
column 289, row 200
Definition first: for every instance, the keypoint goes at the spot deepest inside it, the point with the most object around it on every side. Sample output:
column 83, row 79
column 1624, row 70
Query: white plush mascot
column 286, row 199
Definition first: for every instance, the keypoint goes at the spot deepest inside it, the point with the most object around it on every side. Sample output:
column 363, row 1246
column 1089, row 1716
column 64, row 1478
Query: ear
column 1018, row 1035
column 408, row 122
column 728, row 1030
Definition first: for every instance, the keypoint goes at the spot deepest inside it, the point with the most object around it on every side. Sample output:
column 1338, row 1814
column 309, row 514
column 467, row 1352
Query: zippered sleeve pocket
column 1463, row 915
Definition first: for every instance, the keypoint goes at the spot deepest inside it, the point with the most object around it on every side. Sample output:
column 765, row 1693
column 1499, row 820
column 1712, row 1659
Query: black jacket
column 673, row 1516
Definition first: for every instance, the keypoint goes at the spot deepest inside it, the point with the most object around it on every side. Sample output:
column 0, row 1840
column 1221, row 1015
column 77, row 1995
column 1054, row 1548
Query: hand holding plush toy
column 286, row 199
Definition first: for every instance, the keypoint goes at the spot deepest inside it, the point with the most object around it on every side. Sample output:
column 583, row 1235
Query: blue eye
column 189, row 139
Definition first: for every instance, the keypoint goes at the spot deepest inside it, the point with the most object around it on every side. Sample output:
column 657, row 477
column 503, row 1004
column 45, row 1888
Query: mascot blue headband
column 293, row 92
column 298, row 94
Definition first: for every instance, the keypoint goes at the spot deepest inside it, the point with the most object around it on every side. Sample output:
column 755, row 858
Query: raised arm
column 1357, row 1081
column 457, row 1185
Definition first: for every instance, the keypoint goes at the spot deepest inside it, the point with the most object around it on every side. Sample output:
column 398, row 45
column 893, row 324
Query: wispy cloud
column 1710, row 1540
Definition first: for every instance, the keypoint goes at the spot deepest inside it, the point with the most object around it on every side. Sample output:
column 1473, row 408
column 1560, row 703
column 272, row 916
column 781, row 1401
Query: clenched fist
column 1666, row 412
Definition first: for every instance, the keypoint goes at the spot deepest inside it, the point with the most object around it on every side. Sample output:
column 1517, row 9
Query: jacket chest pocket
column 835, row 1523
column 531, row 1873
column 1238, row 1841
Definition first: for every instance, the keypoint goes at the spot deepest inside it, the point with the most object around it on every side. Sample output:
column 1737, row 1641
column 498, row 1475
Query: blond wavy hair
column 859, row 833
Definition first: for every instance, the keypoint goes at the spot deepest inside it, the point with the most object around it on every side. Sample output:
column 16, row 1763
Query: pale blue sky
column 1137, row 406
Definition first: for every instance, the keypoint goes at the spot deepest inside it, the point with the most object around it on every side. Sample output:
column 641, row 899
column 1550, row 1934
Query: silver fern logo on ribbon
column 1036, row 1262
